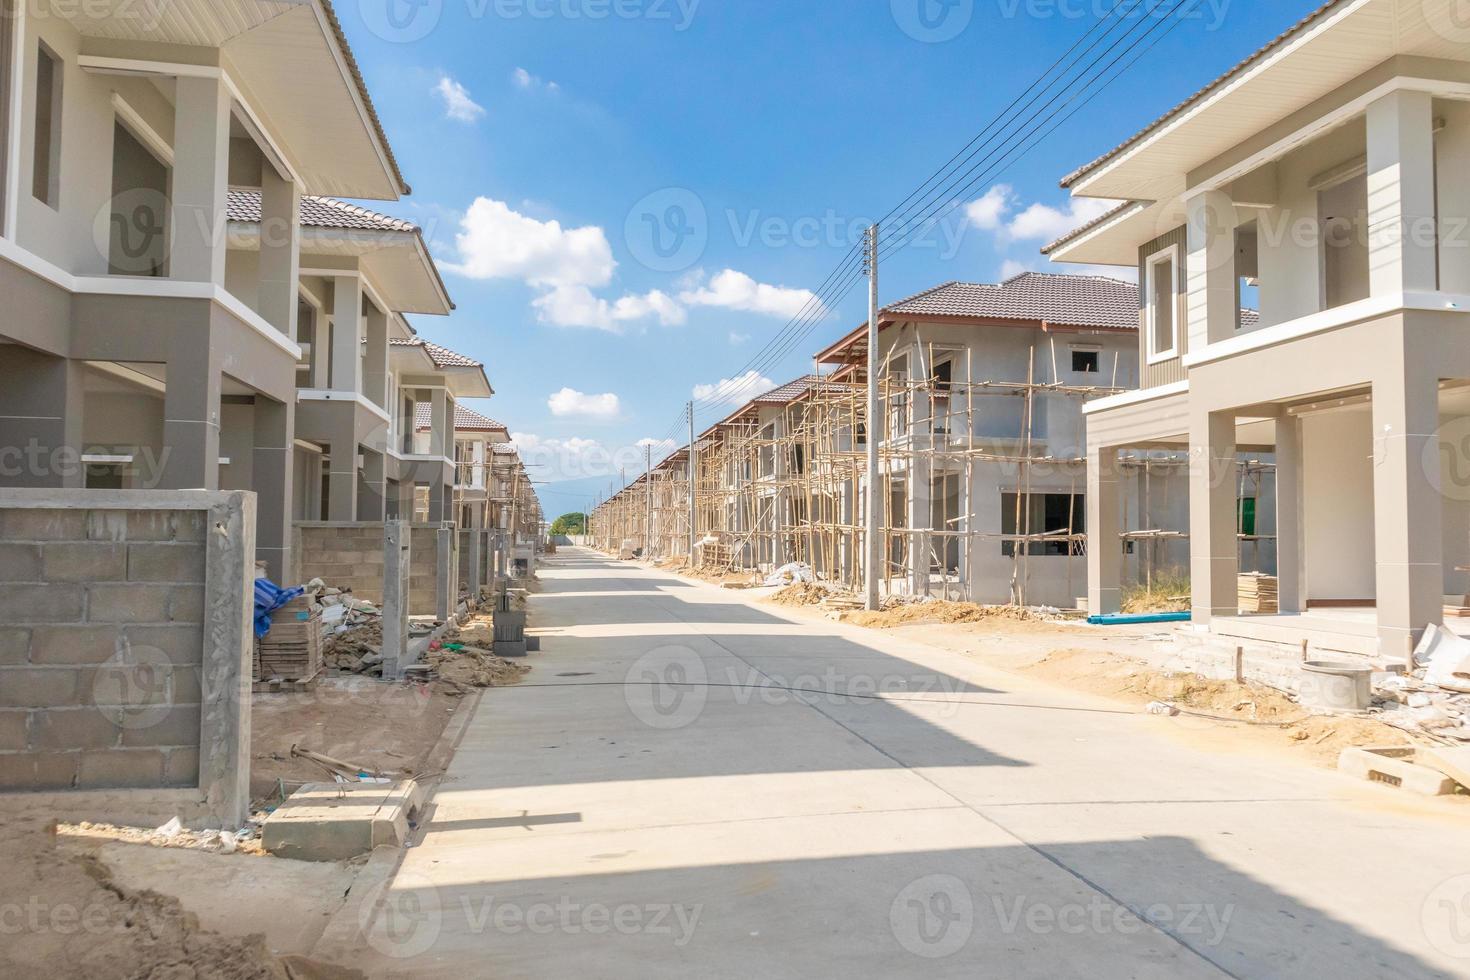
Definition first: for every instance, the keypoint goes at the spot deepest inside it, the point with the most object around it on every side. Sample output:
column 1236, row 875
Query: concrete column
column 441, row 502
column 372, row 502
column 1212, row 310
column 1408, row 507
column 1104, row 547
column 403, row 498
column 1290, row 533
column 1214, row 552
column 342, row 467
column 441, row 433
column 375, row 364
column 475, row 557
column 280, row 250
column 191, row 421
column 920, row 520
column 271, row 473
column 446, row 592
column 1401, row 230
column 346, row 334
column 200, row 179
column 395, row 598
column 41, row 399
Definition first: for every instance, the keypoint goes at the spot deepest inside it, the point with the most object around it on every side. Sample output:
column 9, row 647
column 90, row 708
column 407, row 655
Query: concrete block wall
column 124, row 644
column 344, row 555
column 423, row 573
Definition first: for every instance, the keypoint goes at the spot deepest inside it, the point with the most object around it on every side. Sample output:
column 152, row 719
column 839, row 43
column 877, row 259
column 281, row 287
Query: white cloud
column 457, row 102
column 1010, row 267
column 987, row 213
column 735, row 391
column 1045, row 223
column 496, row 242
column 576, row 306
column 733, row 290
column 570, row 402
column 660, row 447
column 525, row 80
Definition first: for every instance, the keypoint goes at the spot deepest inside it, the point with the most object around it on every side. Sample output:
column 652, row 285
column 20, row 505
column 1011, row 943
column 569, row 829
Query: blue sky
column 547, row 141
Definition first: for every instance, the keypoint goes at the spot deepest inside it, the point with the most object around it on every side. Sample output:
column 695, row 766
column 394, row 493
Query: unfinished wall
column 124, row 645
column 1337, row 465
column 342, row 554
column 423, row 574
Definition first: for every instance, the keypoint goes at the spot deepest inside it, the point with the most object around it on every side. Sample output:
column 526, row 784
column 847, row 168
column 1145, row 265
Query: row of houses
column 1284, row 390
column 190, row 304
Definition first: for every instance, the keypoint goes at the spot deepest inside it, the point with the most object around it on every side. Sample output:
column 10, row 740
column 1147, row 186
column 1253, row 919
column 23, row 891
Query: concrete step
column 338, row 821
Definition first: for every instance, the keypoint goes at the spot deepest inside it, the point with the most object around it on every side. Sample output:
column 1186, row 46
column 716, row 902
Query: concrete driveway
column 690, row 785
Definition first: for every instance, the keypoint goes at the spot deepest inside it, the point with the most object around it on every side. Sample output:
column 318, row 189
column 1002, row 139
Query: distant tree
column 573, row 523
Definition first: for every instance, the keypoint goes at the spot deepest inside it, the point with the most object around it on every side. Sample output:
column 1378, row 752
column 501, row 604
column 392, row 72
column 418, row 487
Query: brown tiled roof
column 1276, row 42
column 1041, row 297
column 320, row 212
column 464, row 419
column 789, row 392
column 442, row 357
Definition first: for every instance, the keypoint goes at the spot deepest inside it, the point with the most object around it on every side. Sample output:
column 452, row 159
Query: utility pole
column 648, row 490
column 693, row 512
column 874, row 545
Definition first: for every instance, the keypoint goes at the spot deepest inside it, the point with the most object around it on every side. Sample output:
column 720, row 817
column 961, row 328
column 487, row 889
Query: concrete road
column 692, row 785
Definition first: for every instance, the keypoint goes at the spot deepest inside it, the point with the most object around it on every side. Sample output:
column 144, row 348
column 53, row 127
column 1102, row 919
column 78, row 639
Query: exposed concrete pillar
column 402, row 492
column 1408, row 514
column 375, row 363
column 280, row 250
column 346, row 334
column 441, row 502
column 1401, row 228
column 446, row 568
column 1214, row 550
column 473, row 561
column 1212, row 310
column 200, row 179
column 441, row 436
column 920, row 520
column 1104, row 547
column 191, row 421
column 395, row 598
column 372, row 501
column 271, row 475
column 41, row 402
column 1290, row 528
column 342, row 467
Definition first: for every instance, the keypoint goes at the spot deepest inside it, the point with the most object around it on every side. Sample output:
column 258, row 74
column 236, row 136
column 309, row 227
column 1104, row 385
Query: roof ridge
column 922, row 293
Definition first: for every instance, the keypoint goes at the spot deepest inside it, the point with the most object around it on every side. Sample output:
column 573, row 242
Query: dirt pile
column 357, row 651
column 466, row 660
column 802, row 594
column 940, row 611
column 81, row 923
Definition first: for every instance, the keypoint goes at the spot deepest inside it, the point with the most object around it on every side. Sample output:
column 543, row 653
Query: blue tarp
column 268, row 598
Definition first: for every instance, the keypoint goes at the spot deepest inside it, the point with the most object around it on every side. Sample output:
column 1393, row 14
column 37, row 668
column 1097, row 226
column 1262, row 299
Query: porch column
column 1211, row 307
column 200, row 179
column 346, row 334
column 375, row 364
column 1401, row 230
column 342, row 465
column 41, row 398
column 280, row 250
column 1407, row 507
column 372, row 498
column 438, row 419
column 191, row 421
column 1214, row 551
column 1104, row 547
column 1290, row 549
column 271, row 478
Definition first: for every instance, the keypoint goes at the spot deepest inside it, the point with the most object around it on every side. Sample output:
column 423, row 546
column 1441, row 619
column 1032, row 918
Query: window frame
column 54, row 117
column 1151, row 263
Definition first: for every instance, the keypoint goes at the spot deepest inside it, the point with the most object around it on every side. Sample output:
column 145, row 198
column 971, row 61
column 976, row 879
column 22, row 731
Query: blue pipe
column 1135, row 619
